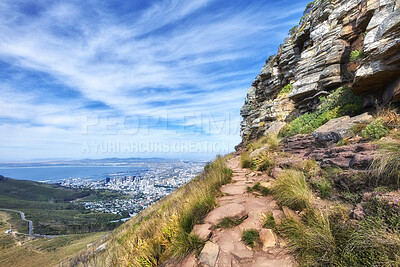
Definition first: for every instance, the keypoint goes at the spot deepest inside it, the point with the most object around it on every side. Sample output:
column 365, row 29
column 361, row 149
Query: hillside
column 34, row 191
column 50, row 208
column 315, row 180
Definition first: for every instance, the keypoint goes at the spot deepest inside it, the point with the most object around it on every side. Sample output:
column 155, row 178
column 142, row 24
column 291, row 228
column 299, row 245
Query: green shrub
column 375, row 130
column 269, row 59
column 389, row 212
column 322, row 185
column 246, row 161
column 339, row 103
column 293, row 30
column 251, row 237
column 269, row 221
column 287, row 89
column 290, row 189
column 262, row 189
column 356, row 54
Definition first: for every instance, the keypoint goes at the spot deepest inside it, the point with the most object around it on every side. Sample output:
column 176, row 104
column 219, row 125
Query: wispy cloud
column 168, row 59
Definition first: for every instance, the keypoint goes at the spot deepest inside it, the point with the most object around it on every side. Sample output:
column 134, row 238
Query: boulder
column 358, row 212
column 274, row 127
column 268, row 238
column 202, row 231
column 339, row 128
column 289, row 213
column 208, row 256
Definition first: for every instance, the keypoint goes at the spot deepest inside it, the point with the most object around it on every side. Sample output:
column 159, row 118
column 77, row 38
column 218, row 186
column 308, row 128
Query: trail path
column 225, row 247
column 30, row 224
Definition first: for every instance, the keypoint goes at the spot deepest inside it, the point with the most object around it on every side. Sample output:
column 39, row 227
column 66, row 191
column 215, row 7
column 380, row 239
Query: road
column 30, row 224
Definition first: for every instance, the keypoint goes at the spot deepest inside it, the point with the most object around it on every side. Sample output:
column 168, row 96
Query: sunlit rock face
column 317, row 58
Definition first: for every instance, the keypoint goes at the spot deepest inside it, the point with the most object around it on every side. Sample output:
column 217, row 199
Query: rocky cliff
column 354, row 43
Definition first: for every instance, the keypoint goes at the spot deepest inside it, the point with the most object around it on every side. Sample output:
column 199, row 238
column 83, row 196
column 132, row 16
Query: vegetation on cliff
column 358, row 223
column 339, row 103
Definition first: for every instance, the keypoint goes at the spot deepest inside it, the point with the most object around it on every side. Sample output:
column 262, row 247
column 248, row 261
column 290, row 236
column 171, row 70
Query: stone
column 275, row 172
column 356, row 156
column 358, row 212
column 208, row 256
column 289, row 213
column 278, row 216
column 258, row 151
column 336, row 129
column 189, row 261
column 274, row 127
column 233, row 210
column 202, row 231
column 268, row 238
column 242, row 256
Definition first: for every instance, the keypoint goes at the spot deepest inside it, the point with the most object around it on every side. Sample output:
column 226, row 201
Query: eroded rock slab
column 209, row 254
column 202, row 231
column 233, row 210
column 268, row 238
column 339, row 128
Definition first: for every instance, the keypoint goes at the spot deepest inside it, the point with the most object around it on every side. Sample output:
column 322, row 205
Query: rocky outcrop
column 358, row 155
column 339, row 128
column 316, row 60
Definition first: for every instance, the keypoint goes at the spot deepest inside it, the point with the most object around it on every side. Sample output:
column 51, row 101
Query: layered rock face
column 316, row 60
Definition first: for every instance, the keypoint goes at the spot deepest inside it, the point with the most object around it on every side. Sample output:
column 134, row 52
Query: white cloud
column 196, row 65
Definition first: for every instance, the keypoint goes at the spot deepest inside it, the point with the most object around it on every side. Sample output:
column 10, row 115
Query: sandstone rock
column 317, row 60
column 274, row 127
column 209, row 254
column 233, row 210
column 258, row 151
column 289, row 213
column 278, row 216
column 357, row 156
column 358, row 212
column 275, row 172
column 336, row 129
column 242, row 256
column 268, row 238
column 202, row 231
column 189, row 261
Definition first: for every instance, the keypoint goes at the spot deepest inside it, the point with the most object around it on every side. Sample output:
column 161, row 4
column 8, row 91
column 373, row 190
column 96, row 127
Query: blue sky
column 100, row 78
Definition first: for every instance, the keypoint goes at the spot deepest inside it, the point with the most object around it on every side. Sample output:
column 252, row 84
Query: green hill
column 50, row 208
column 35, row 191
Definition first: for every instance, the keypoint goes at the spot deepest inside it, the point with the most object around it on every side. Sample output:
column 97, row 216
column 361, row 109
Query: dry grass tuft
column 290, row 189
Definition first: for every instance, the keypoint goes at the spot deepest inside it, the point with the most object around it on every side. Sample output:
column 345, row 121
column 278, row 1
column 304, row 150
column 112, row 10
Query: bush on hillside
column 375, row 130
column 356, row 54
column 287, row 89
column 339, row 103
